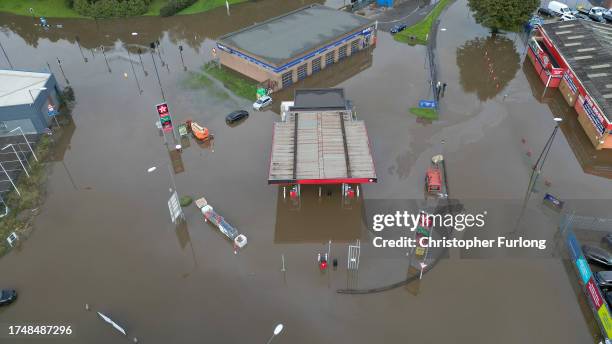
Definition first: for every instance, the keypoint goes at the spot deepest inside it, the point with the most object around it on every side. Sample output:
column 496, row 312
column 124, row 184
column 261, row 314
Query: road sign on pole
column 164, row 117
column 174, row 207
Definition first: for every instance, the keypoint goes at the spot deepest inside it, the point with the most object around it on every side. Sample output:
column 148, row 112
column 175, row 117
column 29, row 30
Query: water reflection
column 315, row 219
column 191, row 30
column 486, row 65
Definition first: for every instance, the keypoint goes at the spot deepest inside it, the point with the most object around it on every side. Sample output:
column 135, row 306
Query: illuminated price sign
column 164, row 117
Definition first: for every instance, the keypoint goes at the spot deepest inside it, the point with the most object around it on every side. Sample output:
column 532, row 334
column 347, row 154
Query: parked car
column 7, row 296
column 398, row 28
column 567, row 17
column 597, row 255
column 608, row 297
column 597, row 17
column 262, row 102
column 582, row 16
column 607, row 15
column 604, row 279
column 546, row 12
column 236, row 116
column 607, row 240
column 559, row 8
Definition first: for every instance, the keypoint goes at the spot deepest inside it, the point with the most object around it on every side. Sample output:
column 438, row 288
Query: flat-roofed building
column 285, row 49
column 25, row 98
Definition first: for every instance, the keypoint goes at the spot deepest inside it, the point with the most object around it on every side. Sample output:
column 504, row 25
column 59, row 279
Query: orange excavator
column 201, row 133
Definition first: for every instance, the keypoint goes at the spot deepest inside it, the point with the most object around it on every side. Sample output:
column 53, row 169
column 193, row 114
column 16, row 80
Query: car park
column 597, row 255
column 262, row 102
column 236, row 116
column 398, row 28
column 7, row 296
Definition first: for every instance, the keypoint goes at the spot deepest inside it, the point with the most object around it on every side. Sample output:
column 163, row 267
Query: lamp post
column 277, row 330
column 26, row 140
column 35, row 89
column 18, row 158
column 6, row 56
column 537, row 167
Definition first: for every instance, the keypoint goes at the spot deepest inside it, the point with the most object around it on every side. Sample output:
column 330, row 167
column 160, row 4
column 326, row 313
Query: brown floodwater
column 104, row 237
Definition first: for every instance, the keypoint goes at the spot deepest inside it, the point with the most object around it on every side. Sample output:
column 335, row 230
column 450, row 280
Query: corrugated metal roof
column 587, row 47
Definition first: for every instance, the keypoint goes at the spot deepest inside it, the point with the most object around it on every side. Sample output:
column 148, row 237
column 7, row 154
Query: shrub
column 175, row 6
column 111, row 8
column 69, row 3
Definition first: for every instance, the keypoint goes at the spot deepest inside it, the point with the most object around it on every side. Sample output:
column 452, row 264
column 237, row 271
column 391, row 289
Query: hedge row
column 175, row 6
column 110, row 8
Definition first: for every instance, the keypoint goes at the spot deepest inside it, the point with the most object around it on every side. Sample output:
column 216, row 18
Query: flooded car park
column 104, row 237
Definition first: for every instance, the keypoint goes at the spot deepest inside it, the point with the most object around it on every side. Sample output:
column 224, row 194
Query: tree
column 503, row 14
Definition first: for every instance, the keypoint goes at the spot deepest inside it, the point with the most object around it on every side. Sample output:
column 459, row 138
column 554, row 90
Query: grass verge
column 431, row 114
column 42, row 8
column 234, row 82
column 58, row 9
column 421, row 29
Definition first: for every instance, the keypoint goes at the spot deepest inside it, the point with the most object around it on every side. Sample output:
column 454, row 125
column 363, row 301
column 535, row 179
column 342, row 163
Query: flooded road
column 104, row 236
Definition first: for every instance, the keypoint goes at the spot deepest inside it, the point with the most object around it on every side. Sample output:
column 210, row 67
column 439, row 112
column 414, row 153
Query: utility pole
column 537, row 168
column 6, row 56
column 105, row 59
column 62, row 70
column 78, row 41
column 156, row 71
column 134, row 71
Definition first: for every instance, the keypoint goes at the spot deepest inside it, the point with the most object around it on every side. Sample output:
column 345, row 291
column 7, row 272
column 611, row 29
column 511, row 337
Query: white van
column 559, row 8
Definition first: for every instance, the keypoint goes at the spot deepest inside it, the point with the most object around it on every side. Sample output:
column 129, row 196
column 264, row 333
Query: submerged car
column 607, row 240
column 603, row 279
column 597, row 255
column 398, row 28
column 262, row 102
column 7, row 296
column 236, row 116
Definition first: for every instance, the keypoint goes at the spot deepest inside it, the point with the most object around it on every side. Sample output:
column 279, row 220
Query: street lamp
column 537, row 168
column 26, row 140
column 277, row 330
column 18, row 158
column 35, row 89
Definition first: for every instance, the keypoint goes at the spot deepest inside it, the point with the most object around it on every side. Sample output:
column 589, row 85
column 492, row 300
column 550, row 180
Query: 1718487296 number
column 39, row 330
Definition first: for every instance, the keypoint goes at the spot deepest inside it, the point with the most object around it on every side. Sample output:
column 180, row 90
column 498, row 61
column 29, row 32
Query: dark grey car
column 7, row 296
column 604, row 279
column 597, row 255
column 236, row 116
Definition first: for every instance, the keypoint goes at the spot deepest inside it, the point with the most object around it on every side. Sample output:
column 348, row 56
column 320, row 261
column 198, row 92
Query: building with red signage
column 576, row 57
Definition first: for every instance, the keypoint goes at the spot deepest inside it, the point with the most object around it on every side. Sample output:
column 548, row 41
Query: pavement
column 408, row 12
